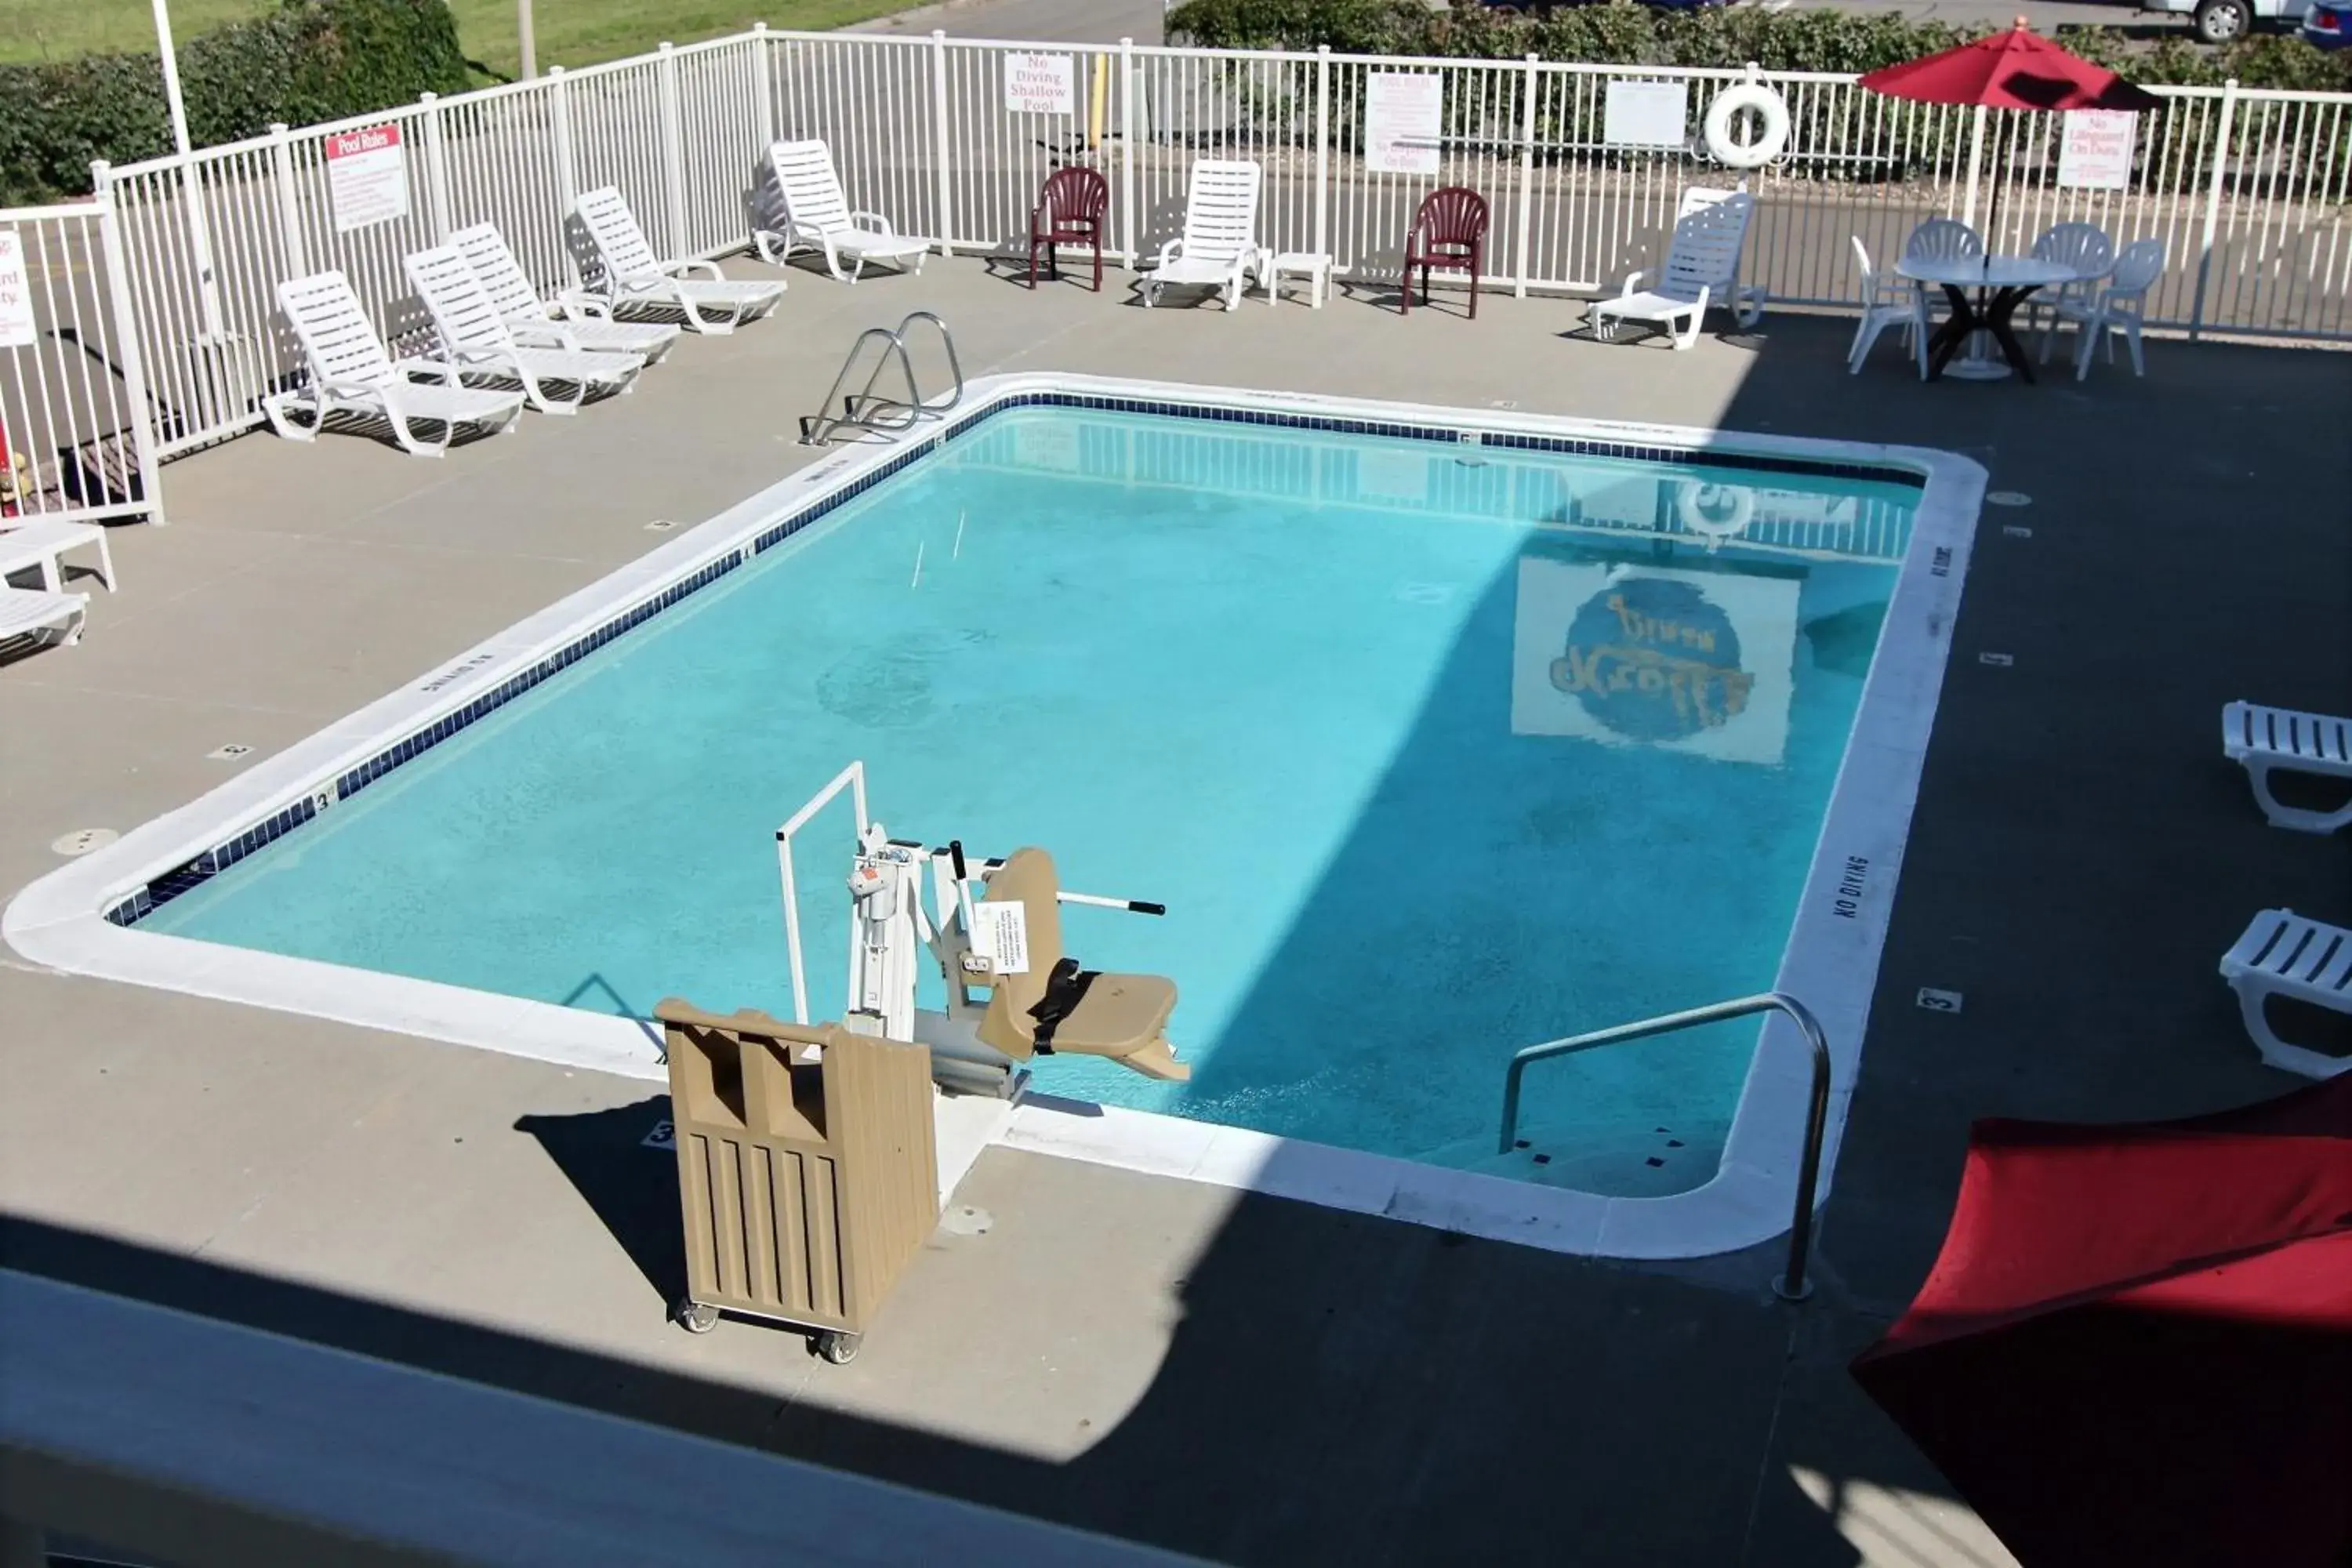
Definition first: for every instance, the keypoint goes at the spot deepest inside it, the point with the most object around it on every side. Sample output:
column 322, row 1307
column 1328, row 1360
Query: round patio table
column 2002, row 283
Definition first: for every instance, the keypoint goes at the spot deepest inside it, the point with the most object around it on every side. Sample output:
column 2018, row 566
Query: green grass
column 570, row 32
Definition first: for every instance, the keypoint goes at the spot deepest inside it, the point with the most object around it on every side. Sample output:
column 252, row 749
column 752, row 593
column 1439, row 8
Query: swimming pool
column 1433, row 747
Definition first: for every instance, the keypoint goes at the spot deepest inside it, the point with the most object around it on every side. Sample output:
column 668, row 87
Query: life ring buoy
column 1699, row 509
column 1769, row 106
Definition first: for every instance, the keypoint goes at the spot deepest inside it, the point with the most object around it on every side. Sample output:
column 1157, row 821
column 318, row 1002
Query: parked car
column 2227, row 21
column 2329, row 25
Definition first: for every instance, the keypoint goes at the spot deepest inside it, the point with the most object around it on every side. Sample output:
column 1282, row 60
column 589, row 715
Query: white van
column 2227, row 21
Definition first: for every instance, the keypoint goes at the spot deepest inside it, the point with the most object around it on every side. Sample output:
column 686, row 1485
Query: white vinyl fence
column 2250, row 191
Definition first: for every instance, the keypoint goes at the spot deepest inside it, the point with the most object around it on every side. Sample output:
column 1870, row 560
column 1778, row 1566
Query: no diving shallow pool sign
column 367, row 177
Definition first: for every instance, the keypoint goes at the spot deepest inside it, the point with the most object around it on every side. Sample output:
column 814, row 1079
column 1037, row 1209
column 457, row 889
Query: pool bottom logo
column 1653, row 660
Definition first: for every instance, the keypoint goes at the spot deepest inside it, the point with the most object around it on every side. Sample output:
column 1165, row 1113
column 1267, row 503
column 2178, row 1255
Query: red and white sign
column 2096, row 152
column 1041, row 84
column 1402, row 112
column 16, row 328
column 367, row 177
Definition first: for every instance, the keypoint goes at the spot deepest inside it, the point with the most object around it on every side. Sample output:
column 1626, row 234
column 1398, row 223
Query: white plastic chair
column 634, row 278
column 1941, row 239
column 351, row 372
column 1219, row 244
column 818, row 216
column 1702, row 269
column 39, row 614
column 1746, row 299
column 479, row 343
column 1887, row 301
column 2121, row 308
column 585, row 319
column 2088, row 250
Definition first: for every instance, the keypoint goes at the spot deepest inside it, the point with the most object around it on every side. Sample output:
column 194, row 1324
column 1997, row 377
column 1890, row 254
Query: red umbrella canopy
column 2136, row 1348
column 2016, row 70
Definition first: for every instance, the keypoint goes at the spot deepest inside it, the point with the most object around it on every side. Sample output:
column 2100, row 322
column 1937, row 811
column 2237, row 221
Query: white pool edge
column 1830, row 961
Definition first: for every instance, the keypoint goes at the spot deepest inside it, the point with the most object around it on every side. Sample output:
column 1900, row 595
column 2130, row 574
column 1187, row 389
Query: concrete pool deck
column 1243, row 1378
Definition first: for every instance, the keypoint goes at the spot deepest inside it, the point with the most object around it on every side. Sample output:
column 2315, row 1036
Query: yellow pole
column 1100, row 106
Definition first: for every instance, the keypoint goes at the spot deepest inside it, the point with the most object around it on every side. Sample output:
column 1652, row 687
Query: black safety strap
column 1065, row 988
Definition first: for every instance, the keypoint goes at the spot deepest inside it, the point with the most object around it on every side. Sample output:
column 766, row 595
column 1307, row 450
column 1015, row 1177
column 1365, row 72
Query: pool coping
column 82, row 917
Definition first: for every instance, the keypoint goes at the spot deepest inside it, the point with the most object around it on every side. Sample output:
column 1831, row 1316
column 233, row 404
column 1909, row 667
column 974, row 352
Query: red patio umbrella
column 2016, row 70
column 2135, row 1347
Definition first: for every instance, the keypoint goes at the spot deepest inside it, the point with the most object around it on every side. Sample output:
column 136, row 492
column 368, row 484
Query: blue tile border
column 144, row 901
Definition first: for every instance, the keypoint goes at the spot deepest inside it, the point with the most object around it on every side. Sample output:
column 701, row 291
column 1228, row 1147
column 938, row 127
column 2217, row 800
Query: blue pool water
column 1430, row 757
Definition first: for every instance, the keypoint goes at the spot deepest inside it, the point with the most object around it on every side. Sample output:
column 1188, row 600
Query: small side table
column 1312, row 265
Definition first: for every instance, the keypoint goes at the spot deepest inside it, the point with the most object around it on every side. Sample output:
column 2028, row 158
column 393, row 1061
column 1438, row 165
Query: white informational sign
column 1000, row 934
column 1041, row 84
column 16, row 328
column 1403, row 111
column 1702, row 662
column 367, row 177
column 1647, row 114
column 2096, row 152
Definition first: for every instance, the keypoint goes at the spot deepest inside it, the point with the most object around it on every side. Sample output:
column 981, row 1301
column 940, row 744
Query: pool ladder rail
column 1791, row 1284
column 869, row 411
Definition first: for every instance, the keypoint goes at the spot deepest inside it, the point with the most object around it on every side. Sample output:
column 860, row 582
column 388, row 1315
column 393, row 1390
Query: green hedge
column 1624, row 34
column 312, row 60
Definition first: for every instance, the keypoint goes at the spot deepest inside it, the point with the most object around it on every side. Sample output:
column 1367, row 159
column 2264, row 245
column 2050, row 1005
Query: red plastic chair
column 1073, row 208
column 1450, row 231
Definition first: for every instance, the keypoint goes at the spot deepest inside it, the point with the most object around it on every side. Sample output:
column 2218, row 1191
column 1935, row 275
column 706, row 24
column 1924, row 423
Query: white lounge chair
column 586, row 319
column 2283, row 954
column 817, row 217
column 1219, row 244
column 45, row 543
column 39, row 613
column 2268, row 740
column 1702, row 270
column 1746, row 299
column 351, row 372
column 636, row 278
column 475, row 340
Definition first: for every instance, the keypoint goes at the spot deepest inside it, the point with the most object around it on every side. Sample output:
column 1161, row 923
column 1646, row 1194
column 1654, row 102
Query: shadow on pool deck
column 1343, row 1389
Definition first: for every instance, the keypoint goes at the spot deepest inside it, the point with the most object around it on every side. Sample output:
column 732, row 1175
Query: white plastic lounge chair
column 1886, row 301
column 2120, row 309
column 351, row 372
column 1219, row 244
column 587, row 320
column 475, row 340
column 817, row 217
column 44, row 544
column 2283, row 954
column 2263, row 740
column 1746, row 299
column 1702, row 270
column 634, row 278
column 39, row 613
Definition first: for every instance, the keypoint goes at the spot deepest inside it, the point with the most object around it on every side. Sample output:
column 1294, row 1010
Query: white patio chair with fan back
column 585, row 319
column 479, row 343
column 818, row 216
column 1941, row 239
column 1219, row 244
column 1702, row 270
column 1886, row 301
column 634, row 278
column 351, row 373
column 2120, row 310
column 2088, row 250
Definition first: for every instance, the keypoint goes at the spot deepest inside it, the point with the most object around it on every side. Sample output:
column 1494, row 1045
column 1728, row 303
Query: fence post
column 144, row 437
column 1975, row 160
column 436, row 166
column 567, row 177
column 1322, row 245
column 1126, row 152
column 289, row 209
column 763, row 87
column 2213, row 206
column 1534, row 84
column 941, row 146
column 673, row 140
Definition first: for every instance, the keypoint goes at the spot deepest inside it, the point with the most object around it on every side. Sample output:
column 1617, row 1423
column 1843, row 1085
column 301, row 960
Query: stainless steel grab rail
column 1791, row 1286
column 863, row 410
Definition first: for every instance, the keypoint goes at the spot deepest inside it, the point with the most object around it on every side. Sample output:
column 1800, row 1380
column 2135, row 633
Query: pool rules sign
column 367, row 177
column 17, row 328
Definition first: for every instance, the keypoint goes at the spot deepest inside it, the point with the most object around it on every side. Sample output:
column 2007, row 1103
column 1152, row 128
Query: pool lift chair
column 997, row 932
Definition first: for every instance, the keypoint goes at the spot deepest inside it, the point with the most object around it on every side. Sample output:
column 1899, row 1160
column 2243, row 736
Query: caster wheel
column 694, row 1317
column 838, row 1348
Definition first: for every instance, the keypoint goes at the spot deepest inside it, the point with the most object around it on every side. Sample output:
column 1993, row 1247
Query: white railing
column 2250, row 191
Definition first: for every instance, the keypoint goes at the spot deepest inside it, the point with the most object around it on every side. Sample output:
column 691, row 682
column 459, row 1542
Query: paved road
column 1107, row 21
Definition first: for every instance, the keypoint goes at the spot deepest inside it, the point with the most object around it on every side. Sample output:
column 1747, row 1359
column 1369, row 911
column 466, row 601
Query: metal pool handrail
column 1790, row 1286
column 863, row 410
